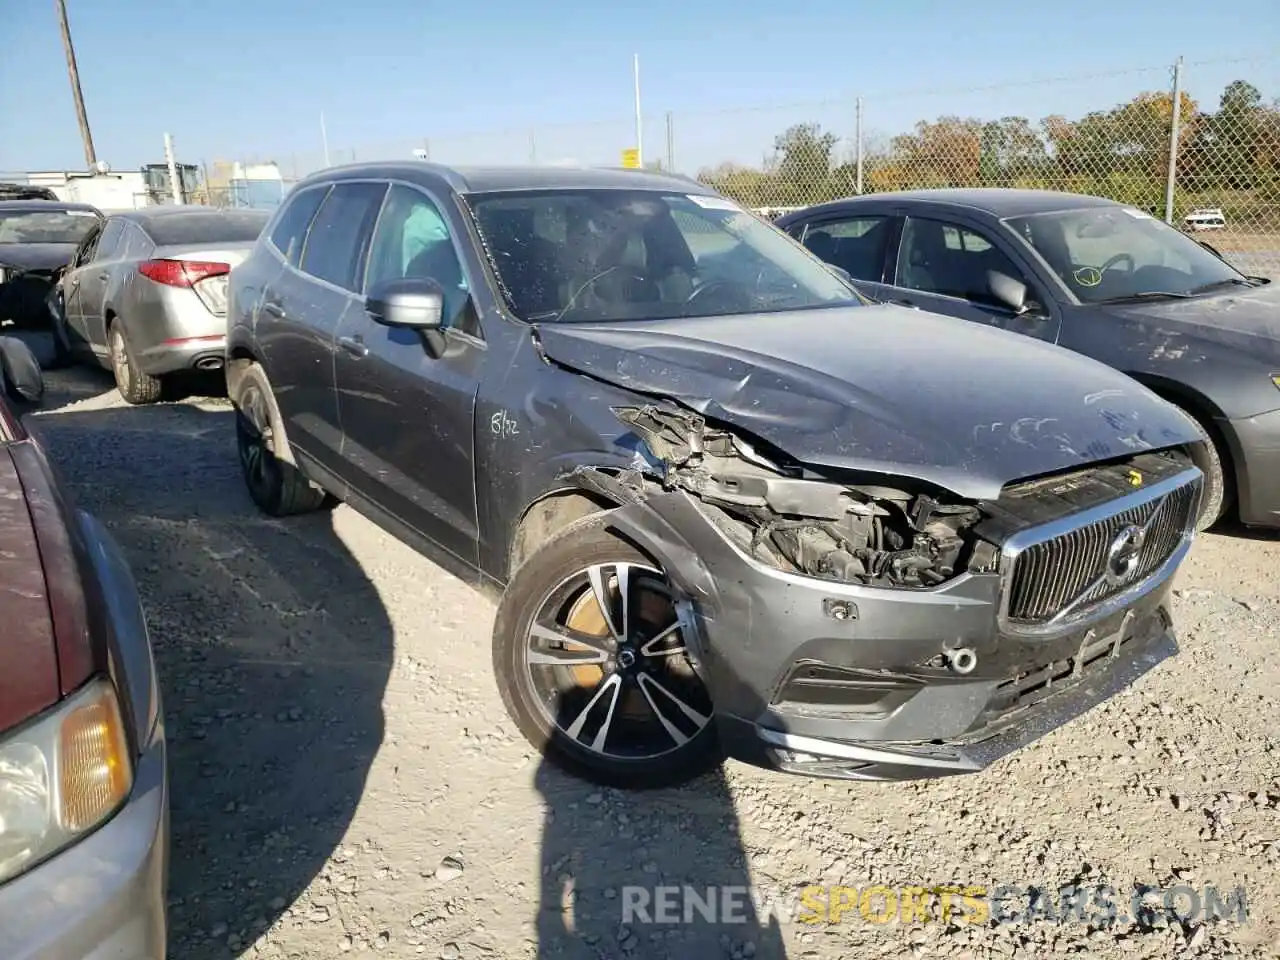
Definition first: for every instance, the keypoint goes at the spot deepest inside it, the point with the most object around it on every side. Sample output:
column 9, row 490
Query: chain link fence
column 1211, row 167
column 1205, row 156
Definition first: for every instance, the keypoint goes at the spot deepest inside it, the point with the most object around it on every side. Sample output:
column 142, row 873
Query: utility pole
column 858, row 146
column 1175, row 134
column 635, row 66
column 90, row 157
column 175, row 185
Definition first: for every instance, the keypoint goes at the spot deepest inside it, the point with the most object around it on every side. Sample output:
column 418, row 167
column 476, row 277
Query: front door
column 407, row 414
column 946, row 266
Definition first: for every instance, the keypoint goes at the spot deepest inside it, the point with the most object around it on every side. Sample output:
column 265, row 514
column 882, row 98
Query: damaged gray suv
column 726, row 505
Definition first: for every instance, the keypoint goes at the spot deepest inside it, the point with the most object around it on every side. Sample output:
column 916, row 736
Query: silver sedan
column 145, row 294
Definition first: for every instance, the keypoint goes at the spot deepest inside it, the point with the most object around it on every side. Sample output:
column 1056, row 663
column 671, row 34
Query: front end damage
column 864, row 628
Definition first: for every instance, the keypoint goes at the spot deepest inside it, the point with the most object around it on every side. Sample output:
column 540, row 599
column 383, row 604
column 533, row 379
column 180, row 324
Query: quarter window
column 338, row 240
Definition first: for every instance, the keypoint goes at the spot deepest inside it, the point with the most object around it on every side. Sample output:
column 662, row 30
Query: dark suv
column 727, row 503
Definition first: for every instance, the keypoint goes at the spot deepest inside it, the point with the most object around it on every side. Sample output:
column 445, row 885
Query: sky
column 505, row 81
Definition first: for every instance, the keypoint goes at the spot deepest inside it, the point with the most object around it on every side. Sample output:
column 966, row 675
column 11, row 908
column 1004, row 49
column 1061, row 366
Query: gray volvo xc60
column 726, row 504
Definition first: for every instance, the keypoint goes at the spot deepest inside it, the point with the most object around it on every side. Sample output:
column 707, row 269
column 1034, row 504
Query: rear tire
column 566, row 675
column 276, row 486
column 135, row 386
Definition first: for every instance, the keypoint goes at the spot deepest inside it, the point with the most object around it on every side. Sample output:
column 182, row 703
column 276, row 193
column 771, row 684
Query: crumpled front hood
column 36, row 256
column 884, row 389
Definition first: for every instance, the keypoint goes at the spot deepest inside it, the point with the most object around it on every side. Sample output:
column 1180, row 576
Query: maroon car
column 84, row 821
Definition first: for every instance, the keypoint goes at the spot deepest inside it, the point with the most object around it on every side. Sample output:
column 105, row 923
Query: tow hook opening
column 963, row 661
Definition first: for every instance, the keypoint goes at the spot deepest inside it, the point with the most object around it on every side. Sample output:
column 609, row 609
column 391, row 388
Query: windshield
column 45, row 226
column 577, row 255
column 1117, row 253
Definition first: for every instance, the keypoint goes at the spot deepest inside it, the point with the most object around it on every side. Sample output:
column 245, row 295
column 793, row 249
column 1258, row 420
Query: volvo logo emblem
column 1124, row 553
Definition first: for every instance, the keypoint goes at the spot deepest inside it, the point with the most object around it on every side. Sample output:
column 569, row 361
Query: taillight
column 182, row 273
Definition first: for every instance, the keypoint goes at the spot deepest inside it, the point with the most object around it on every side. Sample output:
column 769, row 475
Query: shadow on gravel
column 1235, row 530
column 651, row 875
column 273, row 649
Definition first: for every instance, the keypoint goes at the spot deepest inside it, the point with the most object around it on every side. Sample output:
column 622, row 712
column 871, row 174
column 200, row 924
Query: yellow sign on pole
column 631, row 158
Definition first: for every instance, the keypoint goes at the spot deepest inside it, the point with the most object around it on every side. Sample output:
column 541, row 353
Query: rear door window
column 338, row 241
column 112, row 240
column 858, row 244
column 290, row 232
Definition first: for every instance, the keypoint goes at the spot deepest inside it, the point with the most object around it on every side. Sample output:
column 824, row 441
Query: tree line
column 1229, row 157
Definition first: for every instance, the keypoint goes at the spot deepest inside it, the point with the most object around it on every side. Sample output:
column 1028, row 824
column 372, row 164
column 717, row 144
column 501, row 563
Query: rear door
column 327, row 237
column 96, row 274
column 71, row 286
column 944, row 264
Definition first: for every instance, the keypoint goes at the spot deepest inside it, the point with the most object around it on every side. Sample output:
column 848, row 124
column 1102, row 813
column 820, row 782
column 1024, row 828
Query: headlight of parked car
column 61, row 776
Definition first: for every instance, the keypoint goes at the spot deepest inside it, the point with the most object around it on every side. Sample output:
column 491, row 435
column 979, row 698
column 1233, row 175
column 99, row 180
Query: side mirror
column 1010, row 292
column 413, row 302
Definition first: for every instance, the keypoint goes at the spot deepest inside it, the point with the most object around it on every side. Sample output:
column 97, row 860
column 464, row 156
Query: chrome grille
column 1067, row 573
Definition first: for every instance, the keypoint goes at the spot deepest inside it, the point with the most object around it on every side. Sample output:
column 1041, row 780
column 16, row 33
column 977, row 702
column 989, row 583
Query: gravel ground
column 344, row 778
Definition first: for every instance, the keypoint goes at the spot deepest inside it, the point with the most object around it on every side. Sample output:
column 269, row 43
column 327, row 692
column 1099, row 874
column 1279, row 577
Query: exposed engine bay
column 876, row 535
column 779, row 513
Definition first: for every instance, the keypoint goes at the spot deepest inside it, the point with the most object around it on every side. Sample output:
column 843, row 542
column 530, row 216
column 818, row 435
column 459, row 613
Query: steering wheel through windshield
column 734, row 296
column 1116, row 259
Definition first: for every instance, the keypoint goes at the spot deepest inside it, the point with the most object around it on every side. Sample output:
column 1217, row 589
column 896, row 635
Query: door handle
column 905, row 303
column 354, row 345
column 274, row 309
column 104, row 276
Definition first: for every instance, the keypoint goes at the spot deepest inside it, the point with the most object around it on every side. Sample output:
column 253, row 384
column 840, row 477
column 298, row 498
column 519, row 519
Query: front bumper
column 842, row 680
column 1255, row 449
column 104, row 896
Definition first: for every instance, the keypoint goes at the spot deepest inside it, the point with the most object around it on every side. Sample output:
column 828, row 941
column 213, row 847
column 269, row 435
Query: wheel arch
column 240, row 360
column 548, row 514
column 1210, row 417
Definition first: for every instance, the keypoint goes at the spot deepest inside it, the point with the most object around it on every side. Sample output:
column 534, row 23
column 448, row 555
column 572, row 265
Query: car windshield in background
column 233, row 226
column 1113, row 254
column 602, row 255
column 46, row 226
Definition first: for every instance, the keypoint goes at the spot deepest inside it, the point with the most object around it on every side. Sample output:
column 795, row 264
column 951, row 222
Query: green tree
column 801, row 166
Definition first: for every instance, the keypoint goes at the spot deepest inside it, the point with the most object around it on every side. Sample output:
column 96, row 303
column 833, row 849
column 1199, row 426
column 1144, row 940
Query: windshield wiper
column 1146, row 295
column 1220, row 284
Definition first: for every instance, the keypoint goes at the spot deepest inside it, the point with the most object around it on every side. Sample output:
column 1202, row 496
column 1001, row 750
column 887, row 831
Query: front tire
column 276, row 486
column 62, row 356
column 1217, row 497
column 590, row 658
column 135, row 386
